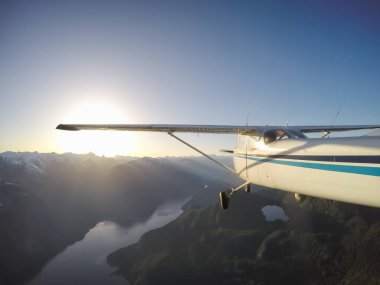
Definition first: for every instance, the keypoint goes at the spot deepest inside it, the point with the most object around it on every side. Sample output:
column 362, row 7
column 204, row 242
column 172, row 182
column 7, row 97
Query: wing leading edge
column 341, row 128
column 215, row 129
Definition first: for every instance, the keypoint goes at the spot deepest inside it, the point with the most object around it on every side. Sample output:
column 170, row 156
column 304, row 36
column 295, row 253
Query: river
column 85, row 262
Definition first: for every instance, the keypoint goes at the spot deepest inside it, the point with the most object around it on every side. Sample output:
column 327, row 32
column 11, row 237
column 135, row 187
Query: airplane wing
column 215, row 129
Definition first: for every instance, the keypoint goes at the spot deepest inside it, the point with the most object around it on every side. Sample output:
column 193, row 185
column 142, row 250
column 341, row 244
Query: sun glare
column 107, row 143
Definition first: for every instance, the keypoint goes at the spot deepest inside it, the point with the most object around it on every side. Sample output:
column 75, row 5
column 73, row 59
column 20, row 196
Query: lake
column 85, row 262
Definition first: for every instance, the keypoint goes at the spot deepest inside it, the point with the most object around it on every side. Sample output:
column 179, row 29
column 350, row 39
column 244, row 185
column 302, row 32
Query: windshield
column 274, row 135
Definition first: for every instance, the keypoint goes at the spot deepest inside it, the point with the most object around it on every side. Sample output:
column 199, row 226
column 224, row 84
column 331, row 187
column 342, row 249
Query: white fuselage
column 343, row 169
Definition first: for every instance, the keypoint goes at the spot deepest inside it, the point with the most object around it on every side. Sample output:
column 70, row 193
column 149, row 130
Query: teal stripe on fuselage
column 363, row 170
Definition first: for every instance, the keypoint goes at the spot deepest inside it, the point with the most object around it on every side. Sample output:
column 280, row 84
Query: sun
column 107, row 143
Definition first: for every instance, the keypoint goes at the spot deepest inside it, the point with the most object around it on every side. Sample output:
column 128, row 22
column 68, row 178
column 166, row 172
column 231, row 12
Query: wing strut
column 204, row 154
column 223, row 196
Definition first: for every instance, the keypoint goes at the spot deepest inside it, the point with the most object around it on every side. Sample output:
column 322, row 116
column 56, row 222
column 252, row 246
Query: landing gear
column 225, row 196
column 224, row 200
column 299, row 197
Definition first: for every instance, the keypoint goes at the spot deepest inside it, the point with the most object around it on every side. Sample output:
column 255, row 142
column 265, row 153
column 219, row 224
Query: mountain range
column 50, row 201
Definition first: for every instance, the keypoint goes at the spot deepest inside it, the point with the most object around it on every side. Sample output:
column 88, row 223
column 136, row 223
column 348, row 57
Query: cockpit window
column 296, row 135
column 275, row 135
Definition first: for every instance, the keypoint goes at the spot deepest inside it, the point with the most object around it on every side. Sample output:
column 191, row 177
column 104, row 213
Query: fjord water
column 85, row 262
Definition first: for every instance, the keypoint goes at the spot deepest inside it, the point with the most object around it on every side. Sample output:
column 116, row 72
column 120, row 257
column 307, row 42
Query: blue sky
column 195, row 62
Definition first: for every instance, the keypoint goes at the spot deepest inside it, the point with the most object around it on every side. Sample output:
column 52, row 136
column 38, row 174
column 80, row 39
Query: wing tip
column 66, row 127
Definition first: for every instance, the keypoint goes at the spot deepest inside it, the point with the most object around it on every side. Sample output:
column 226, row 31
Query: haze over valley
column 49, row 201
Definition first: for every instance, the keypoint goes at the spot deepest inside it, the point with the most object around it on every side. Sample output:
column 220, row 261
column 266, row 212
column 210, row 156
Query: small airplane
column 345, row 169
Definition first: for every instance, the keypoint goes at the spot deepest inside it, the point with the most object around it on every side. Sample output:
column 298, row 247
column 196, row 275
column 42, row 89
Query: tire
column 223, row 200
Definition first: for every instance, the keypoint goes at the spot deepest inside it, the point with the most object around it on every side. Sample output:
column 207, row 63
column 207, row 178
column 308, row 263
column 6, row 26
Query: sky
column 181, row 62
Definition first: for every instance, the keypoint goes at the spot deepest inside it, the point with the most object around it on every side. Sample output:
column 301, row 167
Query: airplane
column 344, row 169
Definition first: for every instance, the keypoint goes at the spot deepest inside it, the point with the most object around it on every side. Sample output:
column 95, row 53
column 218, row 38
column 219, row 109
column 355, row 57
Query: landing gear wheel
column 224, row 200
column 299, row 197
column 247, row 188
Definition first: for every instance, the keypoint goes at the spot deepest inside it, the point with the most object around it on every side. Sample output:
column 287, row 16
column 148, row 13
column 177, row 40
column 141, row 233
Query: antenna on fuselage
column 336, row 116
column 325, row 134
